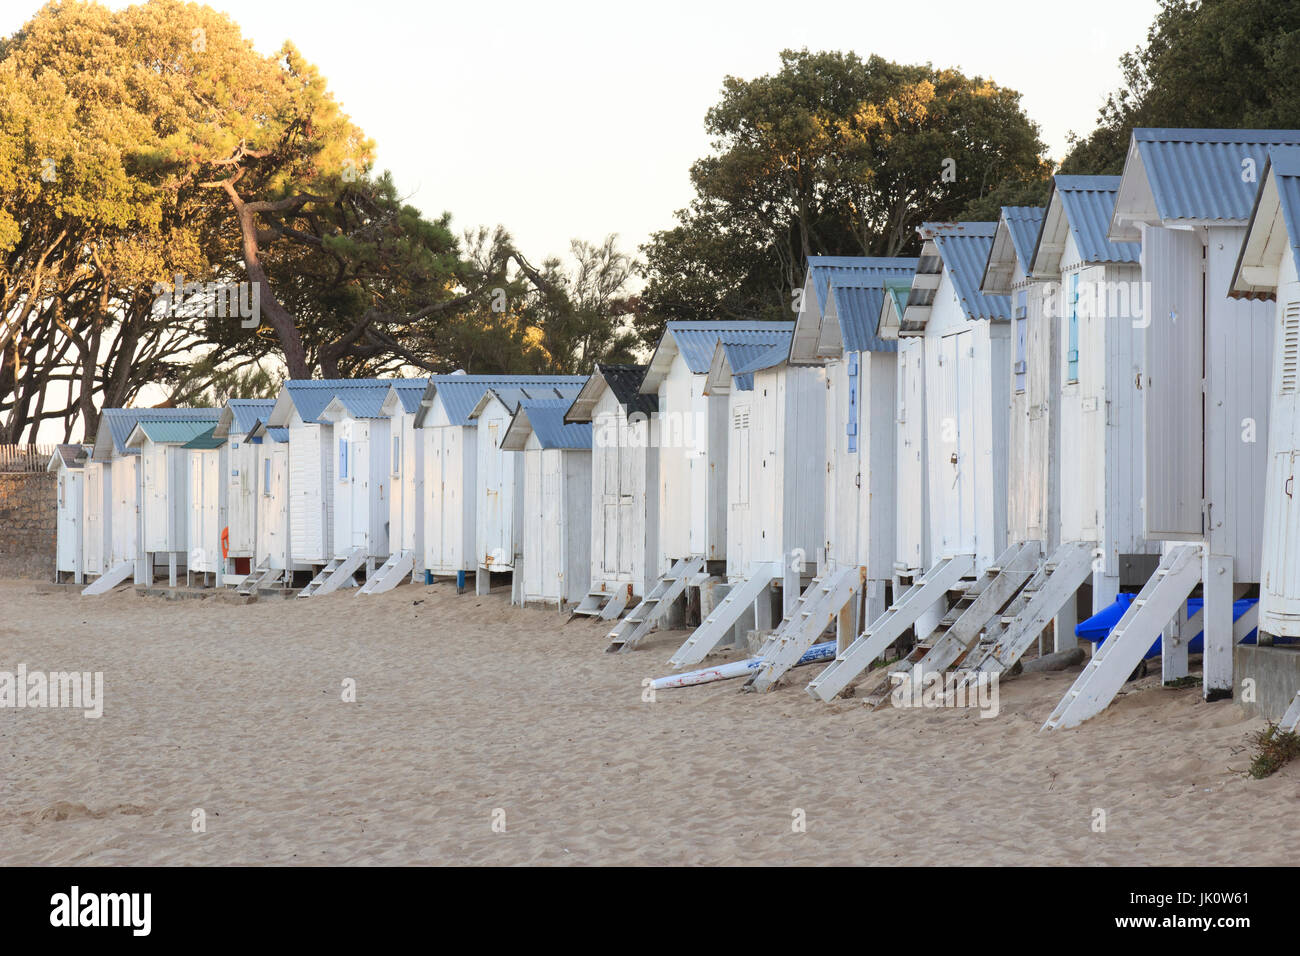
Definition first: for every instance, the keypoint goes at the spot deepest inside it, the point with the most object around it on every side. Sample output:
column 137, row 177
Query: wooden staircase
column 819, row 607
column 723, row 617
column 1125, row 647
column 1055, row 582
column 389, row 574
column 889, row 627
column 629, row 631
column 965, row 621
column 261, row 576
column 335, row 574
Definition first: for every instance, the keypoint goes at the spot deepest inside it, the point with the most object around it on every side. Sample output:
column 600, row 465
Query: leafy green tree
column 830, row 155
column 1207, row 64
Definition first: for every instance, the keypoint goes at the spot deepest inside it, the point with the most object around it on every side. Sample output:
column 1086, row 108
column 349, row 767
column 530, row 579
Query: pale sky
column 569, row 119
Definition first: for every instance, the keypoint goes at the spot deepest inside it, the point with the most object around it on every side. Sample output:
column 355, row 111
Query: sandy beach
column 466, row 706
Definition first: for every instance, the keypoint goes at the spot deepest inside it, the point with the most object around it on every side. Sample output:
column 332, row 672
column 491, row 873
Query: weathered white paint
column 499, row 504
column 311, row 481
column 624, row 500
column 124, row 525
column 556, row 520
column 164, row 472
column 69, row 524
column 450, row 455
column 273, row 503
column 361, row 492
column 241, row 495
column 693, row 437
column 967, row 429
column 1279, row 603
column 912, row 538
column 97, row 510
column 776, row 475
column 206, row 510
column 1101, row 441
column 406, row 493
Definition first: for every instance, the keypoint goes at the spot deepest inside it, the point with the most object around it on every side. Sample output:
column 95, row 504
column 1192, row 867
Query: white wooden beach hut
column 273, row 562
column 239, row 418
column 625, row 488
column 207, row 487
column 115, row 495
column 406, row 493
column 966, row 340
column 164, row 489
column 448, row 439
column 556, row 497
column 837, row 329
column 776, row 491
column 498, row 519
column 96, row 512
column 1186, row 195
column 68, row 464
column 1268, row 267
column 692, row 438
column 362, row 484
column 1092, row 296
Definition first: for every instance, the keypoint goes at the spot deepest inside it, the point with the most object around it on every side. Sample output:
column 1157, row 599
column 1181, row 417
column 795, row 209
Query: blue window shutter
column 266, row 476
column 1073, row 355
column 343, row 458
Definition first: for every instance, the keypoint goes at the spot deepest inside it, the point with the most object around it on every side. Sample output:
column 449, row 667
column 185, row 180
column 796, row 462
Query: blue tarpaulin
column 1098, row 627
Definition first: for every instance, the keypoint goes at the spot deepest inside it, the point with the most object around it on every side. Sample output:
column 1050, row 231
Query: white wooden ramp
column 965, row 621
column 109, row 579
column 724, row 617
column 335, row 574
column 629, row 631
column 819, row 607
column 389, row 574
column 1055, row 583
column 1112, row 663
column 889, row 627
column 1291, row 719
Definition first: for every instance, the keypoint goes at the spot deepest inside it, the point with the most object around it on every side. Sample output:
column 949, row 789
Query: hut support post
column 1067, row 619
column 171, row 569
column 875, row 599
column 790, row 585
column 482, row 581
column 1173, row 647
column 1216, row 666
column 1105, row 588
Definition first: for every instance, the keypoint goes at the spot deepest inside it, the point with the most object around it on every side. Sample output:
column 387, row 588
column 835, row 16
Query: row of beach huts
column 956, row 454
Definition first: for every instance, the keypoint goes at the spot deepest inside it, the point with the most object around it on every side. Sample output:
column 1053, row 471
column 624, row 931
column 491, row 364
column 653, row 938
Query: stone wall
column 28, row 518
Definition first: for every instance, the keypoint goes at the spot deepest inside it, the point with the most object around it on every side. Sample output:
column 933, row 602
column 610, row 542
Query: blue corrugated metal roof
column 964, row 248
column 697, row 340
column 120, row 421
column 365, row 401
column 825, row 269
column 1198, row 173
column 1023, row 223
column 409, row 392
column 461, row 393
column 1089, row 203
column 248, row 412
column 745, row 358
column 1284, row 163
column 546, row 418
column 277, row 435
column 858, row 308
column 311, row 395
